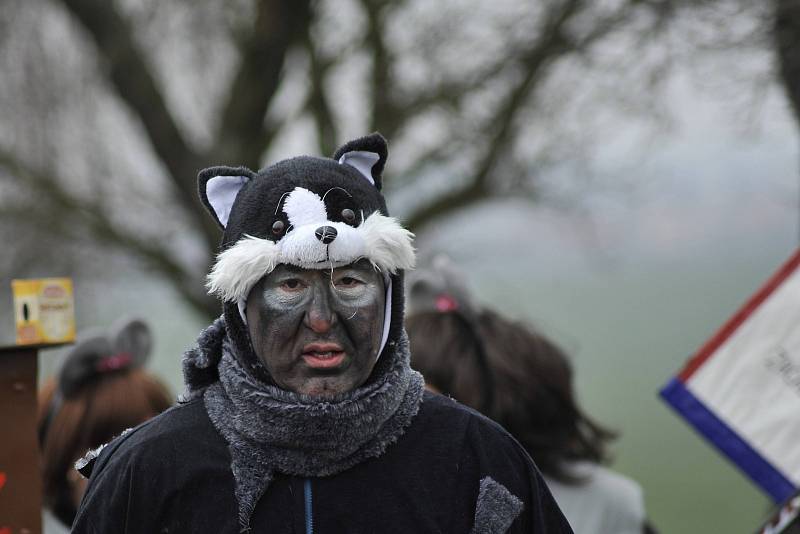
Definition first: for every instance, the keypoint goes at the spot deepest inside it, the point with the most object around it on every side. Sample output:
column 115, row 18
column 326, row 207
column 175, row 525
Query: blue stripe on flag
column 726, row 440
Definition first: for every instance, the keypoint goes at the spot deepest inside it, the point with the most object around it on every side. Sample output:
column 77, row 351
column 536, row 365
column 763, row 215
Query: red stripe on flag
column 711, row 346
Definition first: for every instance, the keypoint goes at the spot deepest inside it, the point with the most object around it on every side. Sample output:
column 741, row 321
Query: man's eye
column 292, row 283
column 349, row 281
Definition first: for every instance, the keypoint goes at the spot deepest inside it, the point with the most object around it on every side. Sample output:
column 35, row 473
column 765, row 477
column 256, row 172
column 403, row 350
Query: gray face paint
column 318, row 331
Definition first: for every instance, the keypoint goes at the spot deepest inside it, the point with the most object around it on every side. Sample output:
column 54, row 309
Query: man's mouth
column 323, row 355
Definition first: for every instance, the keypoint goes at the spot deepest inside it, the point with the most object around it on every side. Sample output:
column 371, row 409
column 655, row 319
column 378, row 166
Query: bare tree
column 110, row 108
column 787, row 45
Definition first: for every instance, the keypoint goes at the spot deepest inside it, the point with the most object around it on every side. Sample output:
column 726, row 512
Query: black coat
column 172, row 475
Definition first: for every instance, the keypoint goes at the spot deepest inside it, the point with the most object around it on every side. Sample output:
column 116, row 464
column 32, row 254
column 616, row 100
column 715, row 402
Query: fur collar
column 200, row 362
column 270, row 430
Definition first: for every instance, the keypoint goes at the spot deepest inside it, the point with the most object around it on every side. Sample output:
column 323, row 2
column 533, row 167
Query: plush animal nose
column 326, row 234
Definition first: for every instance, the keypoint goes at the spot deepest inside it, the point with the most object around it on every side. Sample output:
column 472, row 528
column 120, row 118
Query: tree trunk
column 787, row 45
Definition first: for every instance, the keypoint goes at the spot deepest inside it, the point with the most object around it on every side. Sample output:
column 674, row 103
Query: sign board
column 43, row 310
column 20, row 461
column 741, row 391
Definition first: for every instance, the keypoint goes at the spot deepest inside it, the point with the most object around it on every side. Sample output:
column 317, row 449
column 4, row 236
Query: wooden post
column 20, row 464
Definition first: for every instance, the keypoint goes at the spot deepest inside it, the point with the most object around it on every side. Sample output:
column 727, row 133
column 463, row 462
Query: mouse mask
column 309, row 212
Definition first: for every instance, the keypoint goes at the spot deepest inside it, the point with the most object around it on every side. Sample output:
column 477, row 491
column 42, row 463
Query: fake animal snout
column 326, row 234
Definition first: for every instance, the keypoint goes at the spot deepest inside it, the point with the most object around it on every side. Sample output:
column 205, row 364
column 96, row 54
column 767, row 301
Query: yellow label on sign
column 44, row 310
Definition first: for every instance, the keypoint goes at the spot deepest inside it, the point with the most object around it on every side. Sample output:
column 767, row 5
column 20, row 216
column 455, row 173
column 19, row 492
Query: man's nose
column 320, row 316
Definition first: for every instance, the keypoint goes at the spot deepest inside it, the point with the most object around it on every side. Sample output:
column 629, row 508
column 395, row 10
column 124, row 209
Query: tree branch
column 105, row 231
column 242, row 136
column 386, row 116
column 134, row 83
column 548, row 45
column 551, row 44
column 317, row 102
column 430, row 155
column 449, row 93
column 474, row 192
column 787, row 44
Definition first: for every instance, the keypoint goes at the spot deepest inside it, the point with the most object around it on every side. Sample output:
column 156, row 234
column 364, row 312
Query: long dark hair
column 531, row 384
column 93, row 416
column 100, row 390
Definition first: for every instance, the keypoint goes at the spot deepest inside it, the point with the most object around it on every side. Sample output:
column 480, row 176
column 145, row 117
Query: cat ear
column 218, row 188
column 367, row 155
column 133, row 337
column 80, row 362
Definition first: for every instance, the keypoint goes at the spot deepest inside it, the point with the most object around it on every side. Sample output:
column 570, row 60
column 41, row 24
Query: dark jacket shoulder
column 182, row 429
column 452, row 419
column 494, row 470
column 138, row 481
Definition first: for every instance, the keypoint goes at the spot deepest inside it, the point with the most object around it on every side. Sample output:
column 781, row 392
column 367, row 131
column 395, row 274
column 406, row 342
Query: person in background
column 522, row 380
column 100, row 391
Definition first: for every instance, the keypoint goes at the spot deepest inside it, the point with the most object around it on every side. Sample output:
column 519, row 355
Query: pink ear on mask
column 221, row 192
column 362, row 161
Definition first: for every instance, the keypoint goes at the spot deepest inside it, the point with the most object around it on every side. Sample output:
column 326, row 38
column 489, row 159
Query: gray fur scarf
column 270, row 430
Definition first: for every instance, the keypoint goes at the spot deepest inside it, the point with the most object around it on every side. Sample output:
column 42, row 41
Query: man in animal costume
column 302, row 414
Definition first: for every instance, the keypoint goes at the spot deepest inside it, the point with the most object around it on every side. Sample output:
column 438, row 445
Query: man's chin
column 327, row 387
column 325, row 394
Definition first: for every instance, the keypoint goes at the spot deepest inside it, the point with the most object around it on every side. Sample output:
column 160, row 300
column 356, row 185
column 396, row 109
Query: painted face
column 318, row 331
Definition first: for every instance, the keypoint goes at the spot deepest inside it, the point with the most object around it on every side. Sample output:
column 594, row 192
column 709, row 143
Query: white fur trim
column 380, row 239
column 304, row 207
column 363, row 162
column 388, row 244
column 242, row 305
column 238, row 268
column 221, row 192
column 302, row 248
column 387, row 314
column 92, row 454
